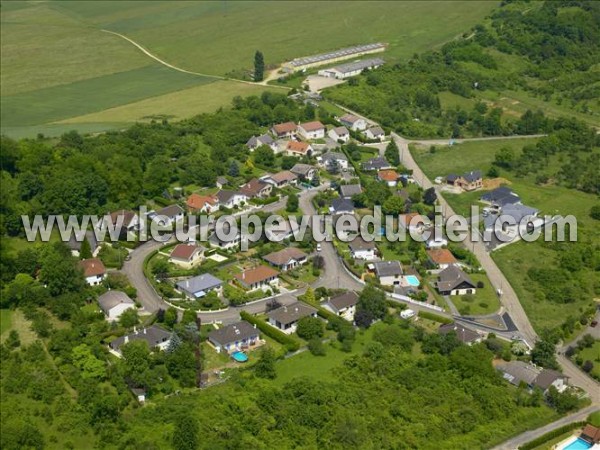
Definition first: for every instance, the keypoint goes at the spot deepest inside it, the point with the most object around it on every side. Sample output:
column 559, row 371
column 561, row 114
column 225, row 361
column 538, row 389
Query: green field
column 60, row 71
column 485, row 301
column 5, row 320
column 516, row 259
column 592, row 354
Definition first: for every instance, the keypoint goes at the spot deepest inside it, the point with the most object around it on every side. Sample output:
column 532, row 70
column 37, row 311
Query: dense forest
column 548, row 50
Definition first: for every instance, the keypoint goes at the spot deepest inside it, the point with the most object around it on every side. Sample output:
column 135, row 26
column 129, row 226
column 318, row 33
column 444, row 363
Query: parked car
column 318, row 247
column 594, row 323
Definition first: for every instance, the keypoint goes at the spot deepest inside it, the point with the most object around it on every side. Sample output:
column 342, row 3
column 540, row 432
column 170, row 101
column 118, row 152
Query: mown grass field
column 60, row 71
column 517, row 258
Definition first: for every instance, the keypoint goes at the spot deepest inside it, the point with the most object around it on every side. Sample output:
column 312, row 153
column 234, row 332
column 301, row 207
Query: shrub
column 316, row 347
column 435, row 317
column 550, row 435
column 310, row 328
column 289, row 342
column 480, row 285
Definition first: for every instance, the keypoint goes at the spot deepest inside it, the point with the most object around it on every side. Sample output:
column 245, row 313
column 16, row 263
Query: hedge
column 551, row 435
column 434, row 317
column 288, row 342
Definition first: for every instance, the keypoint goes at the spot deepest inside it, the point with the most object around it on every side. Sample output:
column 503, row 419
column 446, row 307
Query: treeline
column 97, row 174
column 555, row 45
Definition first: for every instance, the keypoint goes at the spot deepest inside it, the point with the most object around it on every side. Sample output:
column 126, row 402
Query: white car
column 318, row 247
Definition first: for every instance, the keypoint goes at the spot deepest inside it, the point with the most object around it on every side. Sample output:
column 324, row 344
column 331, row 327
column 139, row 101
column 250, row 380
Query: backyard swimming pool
column 239, row 356
column 578, row 444
column 412, row 280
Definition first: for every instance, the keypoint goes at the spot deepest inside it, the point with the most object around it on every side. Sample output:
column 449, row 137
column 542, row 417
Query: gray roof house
column 388, row 268
column 256, row 141
column 348, row 190
column 378, row 163
column 518, row 212
column 153, row 335
column 463, row 334
column 341, row 206
column 114, row 303
column 286, row 317
column 222, row 181
column 343, row 301
column 453, row 281
column 173, row 212
column 77, row 238
column 517, row 372
column 199, row 286
column 501, row 196
column 233, row 337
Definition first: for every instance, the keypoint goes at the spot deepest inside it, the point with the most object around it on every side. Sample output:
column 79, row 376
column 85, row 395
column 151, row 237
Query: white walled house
column 389, row 273
column 231, row 199
column 311, row 130
column 235, row 337
column 115, row 303
column 339, row 134
column 286, row 318
column 453, row 281
column 353, row 122
column 93, row 271
column 361, row 249
column 187, row 255
column 375, row 134
column 351, row 69
column 343, row 305
column 154, row 336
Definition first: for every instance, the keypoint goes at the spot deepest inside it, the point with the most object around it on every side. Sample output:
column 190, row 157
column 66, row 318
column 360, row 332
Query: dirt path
column 179, row 69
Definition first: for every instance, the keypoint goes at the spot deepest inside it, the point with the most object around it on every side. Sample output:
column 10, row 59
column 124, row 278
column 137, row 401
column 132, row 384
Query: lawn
column 5, row 320
column 485, row 301
column 58, row 64
column 592, row 354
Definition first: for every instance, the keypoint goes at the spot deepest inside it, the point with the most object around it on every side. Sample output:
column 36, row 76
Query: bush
column 550, row 435
column 310, row 328
column 288, row 342
column 480, row 285
column 316, row 347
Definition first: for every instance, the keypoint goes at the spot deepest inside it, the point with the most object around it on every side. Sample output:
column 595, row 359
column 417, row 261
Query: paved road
column 509, row 298
column 514, row 443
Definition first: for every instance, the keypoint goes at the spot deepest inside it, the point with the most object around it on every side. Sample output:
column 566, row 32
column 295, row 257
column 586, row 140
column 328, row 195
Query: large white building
column 351, row 69
column 332, row 57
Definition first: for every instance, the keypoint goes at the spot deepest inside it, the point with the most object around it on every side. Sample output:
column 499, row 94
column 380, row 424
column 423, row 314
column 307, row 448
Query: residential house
column 330, row 160
column 341, row 206
column 500, row 197
column 361, row 249
column 93, row 271
column 129, row 221
column 169, row 215
column 154, row 336
column 437, row 239
column 441, row 258
column 256, row 188
column 548, row 378
column 467, row 182
column 200, row 286
column 115, row 303
column 312, row 130
column 231, row 199
column 260, row 277
column 414, row 222
column 349, row 190
column 235, row 337
column 453, row 281
column 257, row 141
column 298, row 148
column 339, row 134
column 389, row 273
column 282, row 179
column 591, row 434
column 377, row 163
column 206, row 204
column 77, row 239
column 353, row 122
column 463, row 334
column 343, row 305
column 285, row 130
column 227, row 244
column 279, row 231
column 221, row 182
column 286, row 259
column 351, row 69
column 286, row 318
column 187, row 255
column 374, row 134
column 304, row 171
column 519, row 373
column 512, row 219
column 389, row 176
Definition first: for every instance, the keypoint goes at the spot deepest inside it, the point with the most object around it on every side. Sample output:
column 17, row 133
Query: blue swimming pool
column 578, row 444
column 412, row 280
column 239, row 356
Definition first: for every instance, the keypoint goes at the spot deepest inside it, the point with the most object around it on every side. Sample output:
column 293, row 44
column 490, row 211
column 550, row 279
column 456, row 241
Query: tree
column 393, row 205
column 186, row 432
column 292, row 203
column 430, row 197
column 234, row 169
column 265, row 366
column 85, row 251
column 310, row 328
column 595, row 212
column 136, row 360
column 318, row 262
column 129, row 318
column 90, row 366
column 392, row 153
column 316, row 347
column 543, row 354
column 259, row 66
column 504, row 157
column 170, row 316
column 587, row 366
column 371, row 305
column 181, row 364
column 13, row 340
column 309, row 296
column 59, row 270
column 264, row 156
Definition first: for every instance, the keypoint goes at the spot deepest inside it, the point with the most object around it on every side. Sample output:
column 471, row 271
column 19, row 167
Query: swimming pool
column 239, row 356
column 578, row 444
column 412, row 280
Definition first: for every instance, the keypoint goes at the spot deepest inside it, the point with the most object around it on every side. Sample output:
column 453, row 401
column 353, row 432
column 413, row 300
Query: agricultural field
column 516, row 259
column 61, row 71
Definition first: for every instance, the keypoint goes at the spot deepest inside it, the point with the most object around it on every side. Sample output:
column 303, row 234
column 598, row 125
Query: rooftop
column 284, row 256
column 256, row 275
column 451, row 277
column 233, row 333
column 341, row 53
column 343, row 301
column 358, row 65
column 291, row 313
column 153, row 335
column 388, row 268
column 312, row 126
column 92, row 267
column 185, row 251
column 441, row 256
column 198, row 285
column 110, row 299
column 463, row 334
column 348, row 190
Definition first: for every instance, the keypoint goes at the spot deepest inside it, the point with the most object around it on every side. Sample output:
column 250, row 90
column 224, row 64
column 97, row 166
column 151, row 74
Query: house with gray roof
column 377, row 163
column 257, row 141
column 351, row 69
column 361, row 249
column 464, row 335
column 221, row 182
column 453, row 281
column 347, row 191
column 500, row 197
column 374, row 133
column 517, row 372
column 389, row 273
column 231, row 199
column 330, row 159
column 235, row 337
column 341, row 206
column 199, row 286
column 304, row 171
column 468, row 181
column 285, row 318
column 339, row 134
column 154, row 336
column 343, row 305
column 77, row 239
column 169, row 215
column 114, row 303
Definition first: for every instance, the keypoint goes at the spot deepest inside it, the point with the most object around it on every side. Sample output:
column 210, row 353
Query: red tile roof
column 92, row 267
column 312, row 126
column 298, row 147
column 283, row 128
column 197, row 201
column 184, row 251
column 441, row 256
column 388, row 175
column 256, row 275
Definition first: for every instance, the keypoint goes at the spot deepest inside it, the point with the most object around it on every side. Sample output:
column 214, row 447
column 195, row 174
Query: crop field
column 61, row 71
